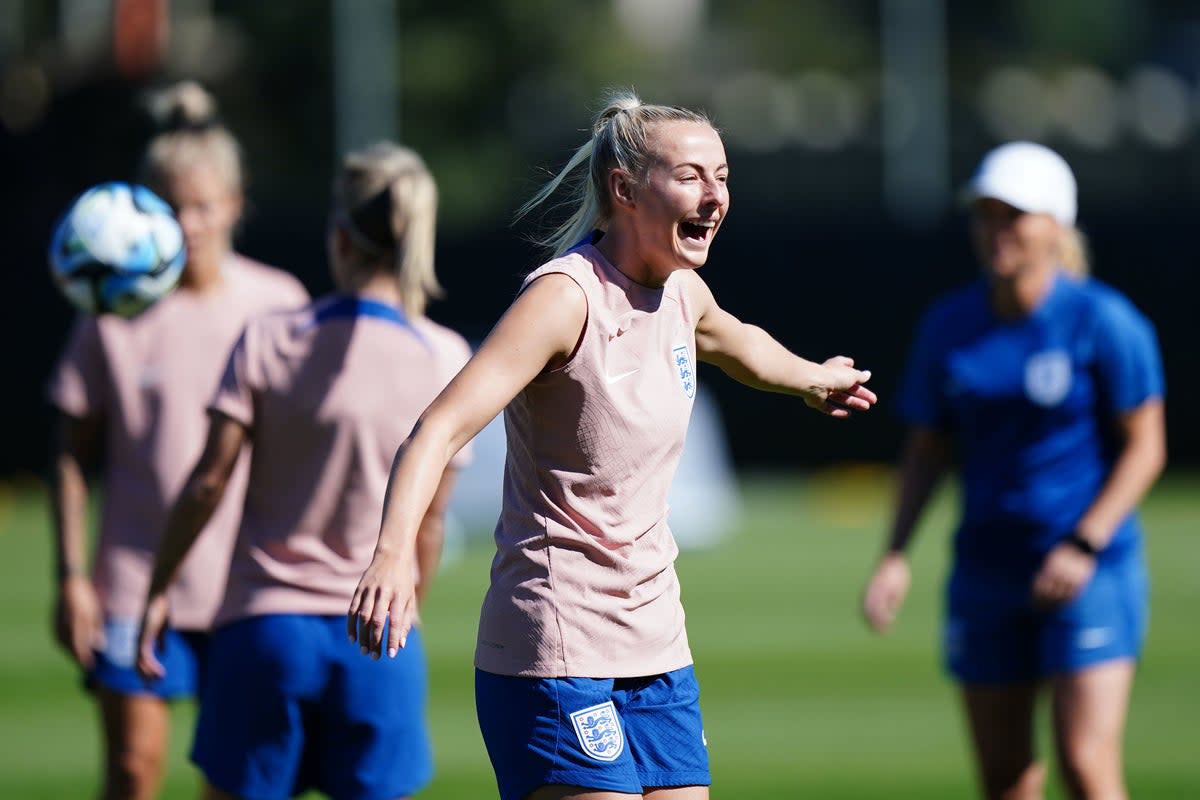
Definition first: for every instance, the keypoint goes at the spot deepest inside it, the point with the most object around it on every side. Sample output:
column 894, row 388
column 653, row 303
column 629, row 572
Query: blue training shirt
column 1032, row 405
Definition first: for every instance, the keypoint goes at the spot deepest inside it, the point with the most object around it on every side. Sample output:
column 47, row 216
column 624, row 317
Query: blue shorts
column 292, row 705
column 995, row 634
column 181, row 653
column 621, row 735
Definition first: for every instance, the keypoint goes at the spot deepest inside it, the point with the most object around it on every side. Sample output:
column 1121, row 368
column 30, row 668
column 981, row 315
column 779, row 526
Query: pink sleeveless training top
column 583, row 583
column 329, row 393
column 151, row 378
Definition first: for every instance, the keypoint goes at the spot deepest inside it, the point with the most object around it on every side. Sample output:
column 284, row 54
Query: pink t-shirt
column 583, row 582
column 150, row 378
column 329, row 393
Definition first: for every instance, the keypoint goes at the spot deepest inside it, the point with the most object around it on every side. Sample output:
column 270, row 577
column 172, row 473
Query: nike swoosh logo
column 1091, row 638
column 615, row 378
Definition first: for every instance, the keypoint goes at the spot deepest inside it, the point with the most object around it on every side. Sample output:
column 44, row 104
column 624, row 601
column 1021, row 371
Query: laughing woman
column 584, row 681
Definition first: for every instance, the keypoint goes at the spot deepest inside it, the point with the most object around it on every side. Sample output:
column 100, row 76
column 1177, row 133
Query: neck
column 379, row 286
column 620, row 248
column 1020, row 295
column 202, row 275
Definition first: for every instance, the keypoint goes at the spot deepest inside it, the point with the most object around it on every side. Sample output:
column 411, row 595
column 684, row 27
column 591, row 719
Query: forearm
column 412, row 485
column 1137, row 467
column 430, row 539
column 191, row 512
column 69, row 506
column 763, row 363
column 921, row 468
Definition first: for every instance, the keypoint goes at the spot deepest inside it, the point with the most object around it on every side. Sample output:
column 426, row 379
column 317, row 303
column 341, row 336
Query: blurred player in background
column 584, row 683
column 1049, row 387
column 132, row 395
column 326, row 394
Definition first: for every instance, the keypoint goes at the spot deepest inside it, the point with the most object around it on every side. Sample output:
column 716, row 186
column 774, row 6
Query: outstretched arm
column 538, row 332
column 750, row 355
column 191, row 512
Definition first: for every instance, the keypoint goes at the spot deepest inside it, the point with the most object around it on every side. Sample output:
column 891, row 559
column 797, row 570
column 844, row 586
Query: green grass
column 799, row 700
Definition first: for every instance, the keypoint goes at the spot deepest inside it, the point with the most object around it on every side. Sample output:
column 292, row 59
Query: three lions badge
column 599, row 731
column 1048, row 377
column 683, row 365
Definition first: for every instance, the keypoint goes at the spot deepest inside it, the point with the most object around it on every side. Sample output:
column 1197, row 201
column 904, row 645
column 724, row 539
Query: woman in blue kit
column 1049, row 388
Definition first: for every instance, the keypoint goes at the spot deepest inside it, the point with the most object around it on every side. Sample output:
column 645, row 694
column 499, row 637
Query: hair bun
column 616, row 102
column 186, row 105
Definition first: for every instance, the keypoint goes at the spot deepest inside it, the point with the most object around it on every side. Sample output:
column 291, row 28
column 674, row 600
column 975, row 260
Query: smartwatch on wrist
column 1082, row 544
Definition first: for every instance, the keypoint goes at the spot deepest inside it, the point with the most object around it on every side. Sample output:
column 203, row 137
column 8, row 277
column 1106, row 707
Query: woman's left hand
column 385, row 600
column 843, row 391
column 1064, row 573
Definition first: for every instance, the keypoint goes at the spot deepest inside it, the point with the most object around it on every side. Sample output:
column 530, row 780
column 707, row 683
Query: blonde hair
column 385, row 199
column 1073, row 253
column 619, row 140
column 190, row 135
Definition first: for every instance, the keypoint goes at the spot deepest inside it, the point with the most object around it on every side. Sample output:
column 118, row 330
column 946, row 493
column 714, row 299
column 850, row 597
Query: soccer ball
column 116, row 250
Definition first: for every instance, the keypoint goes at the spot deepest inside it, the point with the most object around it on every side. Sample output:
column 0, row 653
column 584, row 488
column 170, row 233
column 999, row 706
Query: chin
column 692, row 260
column 1002, row 272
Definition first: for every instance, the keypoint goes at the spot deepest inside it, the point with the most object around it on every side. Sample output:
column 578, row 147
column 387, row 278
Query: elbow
column 436, row 433
column 206, row 490
column 432, row 530
column 1156, row 450
column 1150, row 454
column 1158, row 458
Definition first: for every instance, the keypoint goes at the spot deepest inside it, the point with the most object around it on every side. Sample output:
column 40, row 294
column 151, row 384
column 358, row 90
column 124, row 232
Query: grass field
column 799, row 700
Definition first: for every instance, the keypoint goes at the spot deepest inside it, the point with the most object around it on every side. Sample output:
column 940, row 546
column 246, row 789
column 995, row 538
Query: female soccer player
column 326, row 394
column 584, row 684
column 1050, row 387
column 136, row 390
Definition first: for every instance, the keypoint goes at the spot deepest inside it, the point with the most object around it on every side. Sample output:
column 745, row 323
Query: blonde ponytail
column 1073, row 254
column 385, row 199
column 620, row 140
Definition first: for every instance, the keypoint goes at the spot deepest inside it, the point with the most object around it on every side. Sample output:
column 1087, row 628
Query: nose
column 189, row 221
column 716, row 193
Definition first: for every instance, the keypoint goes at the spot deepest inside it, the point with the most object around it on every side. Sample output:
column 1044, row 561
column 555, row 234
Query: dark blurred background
column 849, row 127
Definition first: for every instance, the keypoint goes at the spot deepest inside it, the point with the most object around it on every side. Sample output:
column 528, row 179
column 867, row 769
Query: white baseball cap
column 1028, row 176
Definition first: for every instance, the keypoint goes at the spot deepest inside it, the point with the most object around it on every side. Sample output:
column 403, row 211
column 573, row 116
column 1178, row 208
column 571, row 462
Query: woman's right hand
column 150, row 633
column 886, row 591
column 386, row 596
column 78, row 619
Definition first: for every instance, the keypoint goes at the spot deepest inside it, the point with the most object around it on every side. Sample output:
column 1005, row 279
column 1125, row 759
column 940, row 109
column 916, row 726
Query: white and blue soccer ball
column 117, row 250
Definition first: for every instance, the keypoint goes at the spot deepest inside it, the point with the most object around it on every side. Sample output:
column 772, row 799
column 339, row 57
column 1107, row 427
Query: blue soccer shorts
column 291, row 705
column 621, row 735
column 994, row 633
column 181, row 653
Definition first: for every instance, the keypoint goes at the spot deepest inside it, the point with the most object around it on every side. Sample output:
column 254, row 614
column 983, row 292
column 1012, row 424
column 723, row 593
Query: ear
column 340, row 241
column 237, row 205
column 621, row 189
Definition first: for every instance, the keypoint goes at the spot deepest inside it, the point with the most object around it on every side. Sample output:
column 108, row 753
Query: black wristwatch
column 1082, row 544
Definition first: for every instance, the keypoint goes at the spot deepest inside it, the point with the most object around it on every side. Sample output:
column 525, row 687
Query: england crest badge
column 683, row 365
column 1048, row 377
column 599, row 731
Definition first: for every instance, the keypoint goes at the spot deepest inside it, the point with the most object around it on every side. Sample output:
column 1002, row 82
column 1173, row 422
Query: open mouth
column 697, row 230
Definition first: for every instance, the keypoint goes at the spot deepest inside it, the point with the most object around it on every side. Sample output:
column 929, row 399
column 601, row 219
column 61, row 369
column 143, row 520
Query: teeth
column 704, row 223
